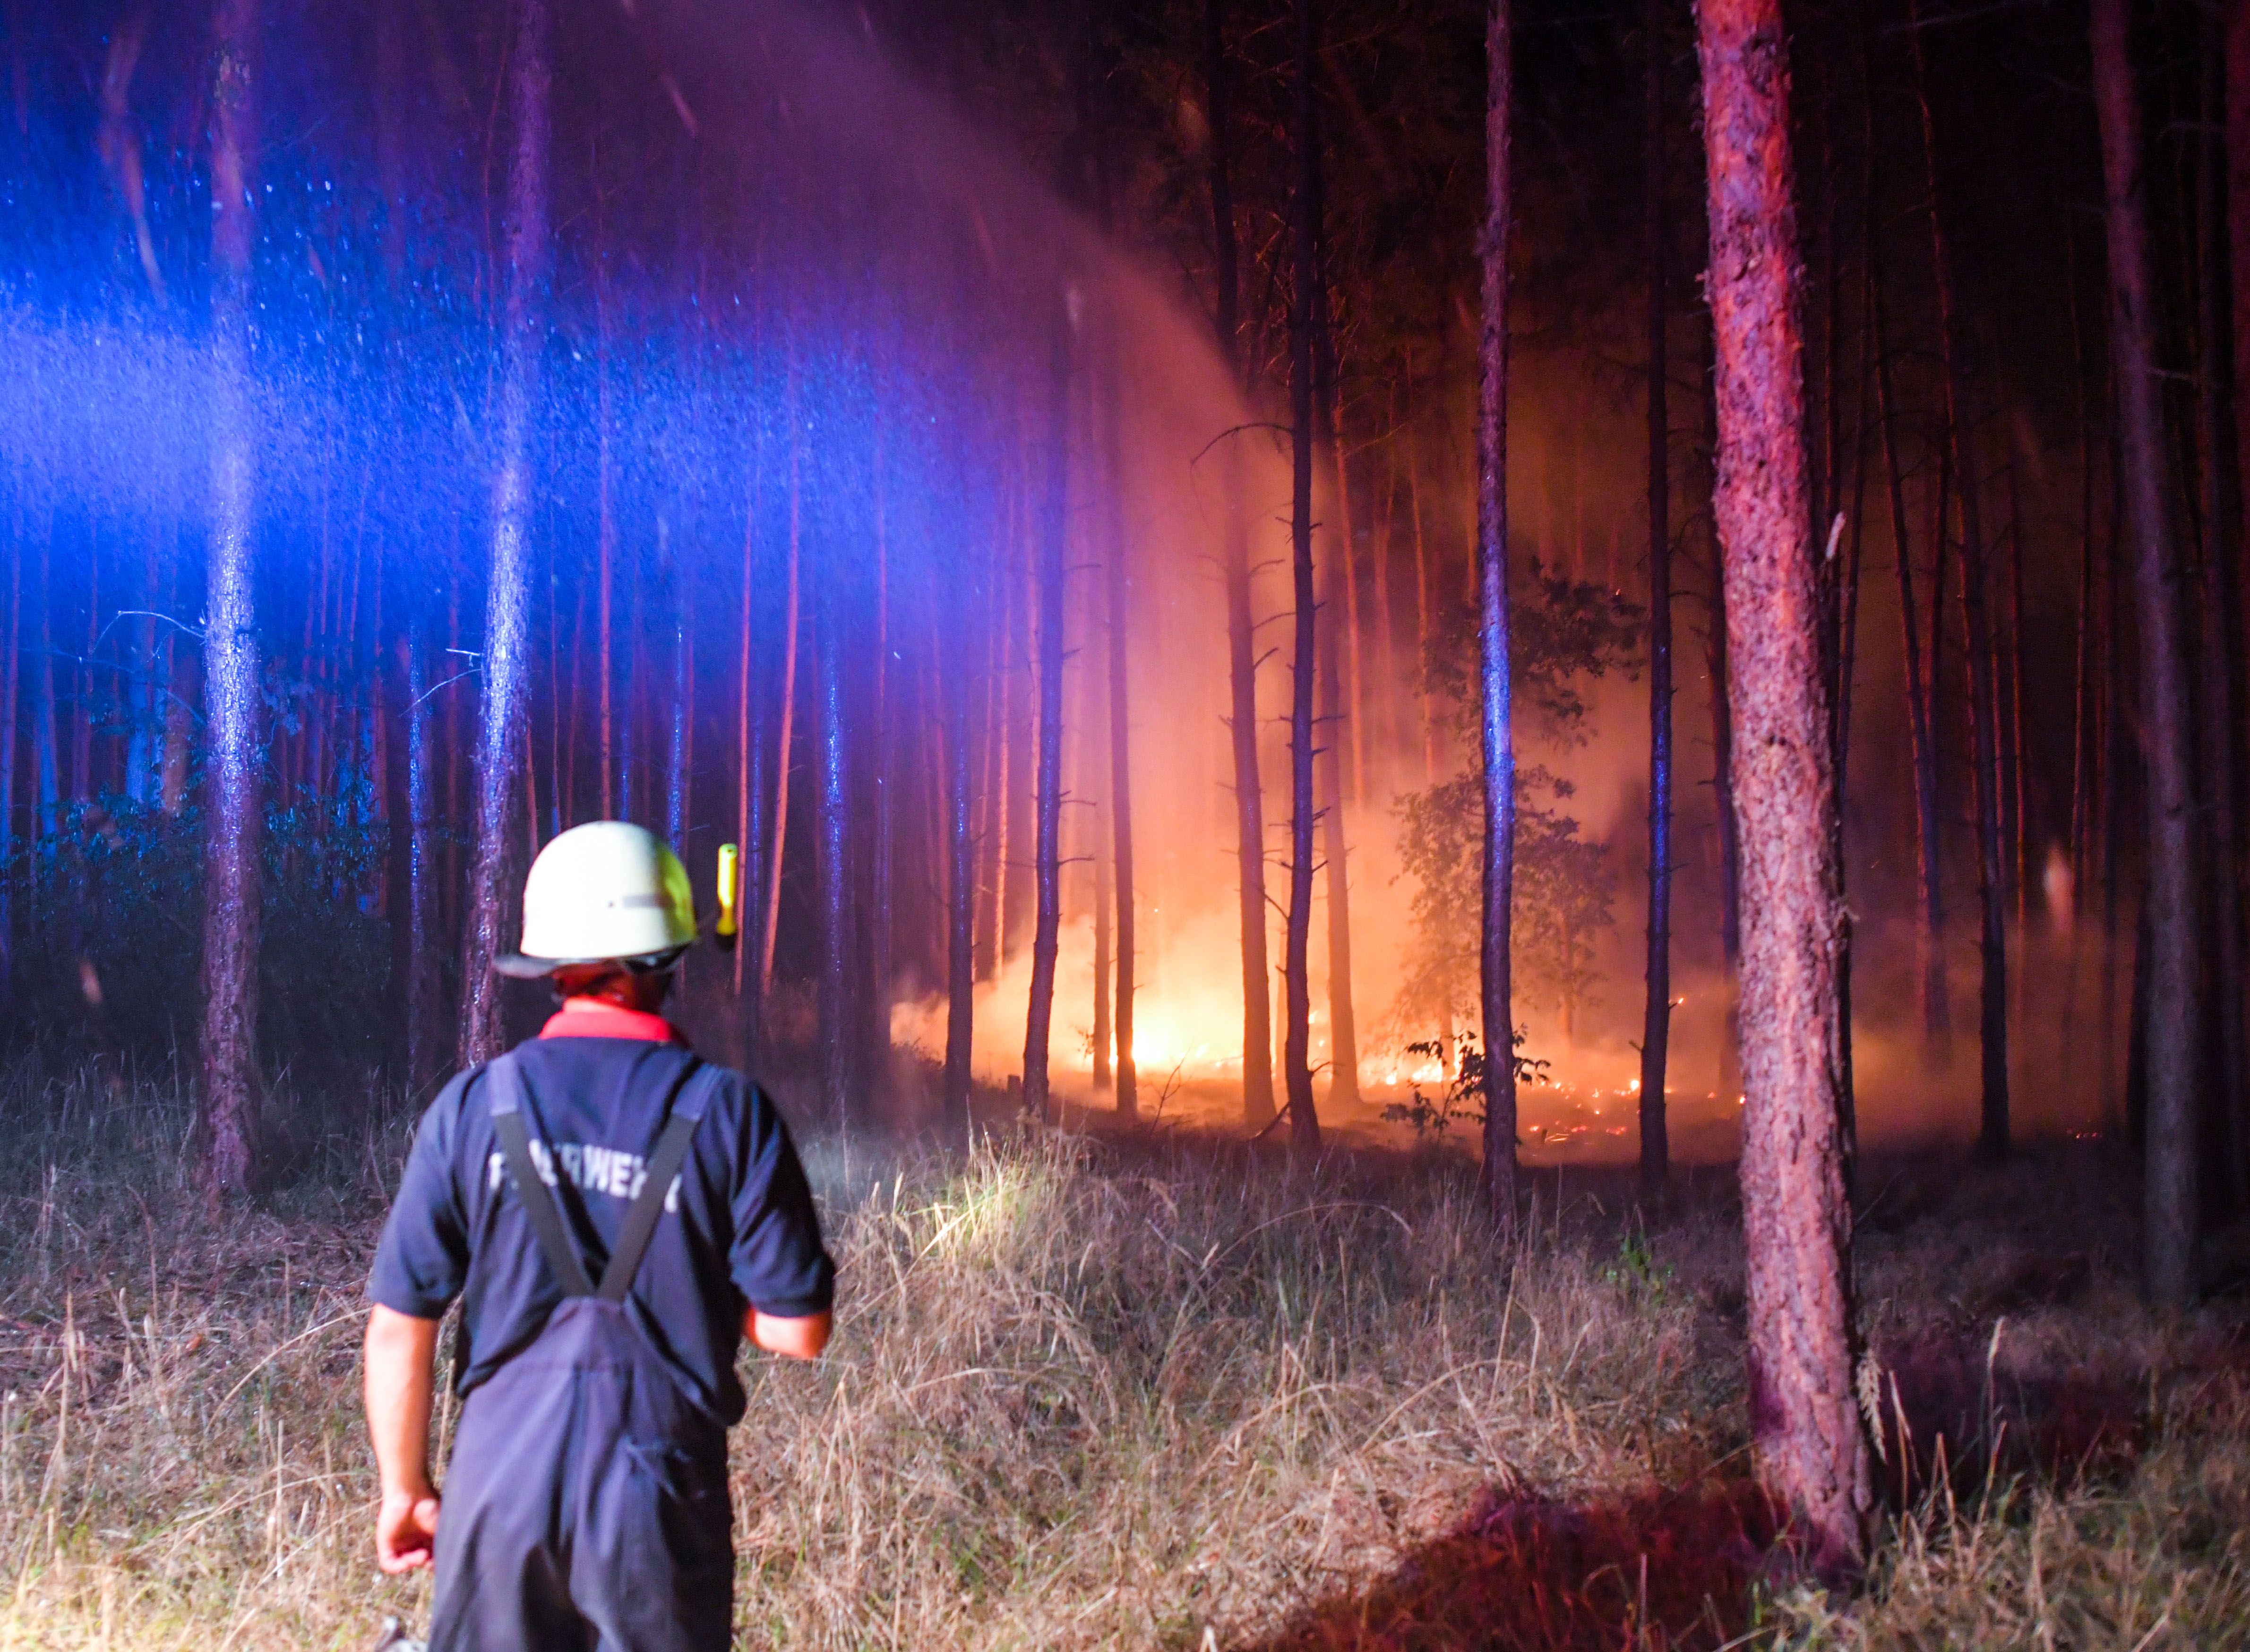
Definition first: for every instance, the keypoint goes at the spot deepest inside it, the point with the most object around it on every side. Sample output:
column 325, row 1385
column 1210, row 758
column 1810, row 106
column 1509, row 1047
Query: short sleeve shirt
column 738, row 1229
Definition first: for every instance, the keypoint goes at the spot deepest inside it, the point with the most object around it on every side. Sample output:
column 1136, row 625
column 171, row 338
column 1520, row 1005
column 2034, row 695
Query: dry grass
column 1101, row 1392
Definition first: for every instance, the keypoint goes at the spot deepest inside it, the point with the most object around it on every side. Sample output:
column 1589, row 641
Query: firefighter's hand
column 792, row 1339
column 405, row 1529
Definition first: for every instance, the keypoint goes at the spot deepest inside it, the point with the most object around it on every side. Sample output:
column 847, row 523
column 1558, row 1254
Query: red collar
column 591, row 1018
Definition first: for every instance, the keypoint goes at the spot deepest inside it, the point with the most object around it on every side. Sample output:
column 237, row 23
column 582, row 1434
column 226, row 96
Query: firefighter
column 616, row 1214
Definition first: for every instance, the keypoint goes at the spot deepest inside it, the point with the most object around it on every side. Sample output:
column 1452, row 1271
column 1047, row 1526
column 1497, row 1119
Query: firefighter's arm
column 400, row 1351
column 792, row 1339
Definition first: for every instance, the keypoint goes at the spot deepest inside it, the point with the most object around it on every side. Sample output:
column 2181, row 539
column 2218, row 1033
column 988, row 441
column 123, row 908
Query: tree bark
column 1846, row 651
column 1425, row 619
column 881, row 860
column 2235, row 53
column 46, row 778
column 1304, row 1123
column 1242, row 675
column 1812, row 1442
column 1343, row 1029
column 228, row 1124
column 1723, row 804
column 1052, row 528
column 2218, row 682
column 676, row 755
column 1339, row 707
column 1983, row 694
column 424, row 1009
column 1355, row 695
column 1105, row 1036
column 11, row 679
column 991, row 804
column 749, row 781
column 1656, row 1013
column 790, row 627
column 834, row 866
column 2174, row 1026
column 2018, row 791
column 605, row 527
column 1118, row 585
column 1495, row 987
column 500, row 735
column 2083, row 755
column 2115, row 726
column 961, row 890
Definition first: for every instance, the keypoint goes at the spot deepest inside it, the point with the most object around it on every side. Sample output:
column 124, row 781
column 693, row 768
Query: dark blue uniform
column 585, row 1504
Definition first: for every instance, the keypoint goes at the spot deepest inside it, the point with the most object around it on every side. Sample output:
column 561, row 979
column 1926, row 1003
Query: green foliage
column 1636, row 1270
column 1562, row 632
column 1462, row 1098
column 1565, row 632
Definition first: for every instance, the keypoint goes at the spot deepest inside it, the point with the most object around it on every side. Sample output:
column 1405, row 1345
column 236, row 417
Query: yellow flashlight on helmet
column 728, row 928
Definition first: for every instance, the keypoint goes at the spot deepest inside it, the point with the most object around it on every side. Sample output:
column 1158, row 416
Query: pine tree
column 229, row 1099
column 503, row 714
column 1810, row 1439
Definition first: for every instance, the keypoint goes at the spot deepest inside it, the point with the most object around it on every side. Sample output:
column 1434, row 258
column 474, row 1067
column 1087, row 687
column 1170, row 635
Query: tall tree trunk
column 2235, row 52
column 961, row 890
column 1424, row 619
column 1495, row 993
column 790, row 627
column 1340, row 712
column 1656, row 1013
column 1847, row 653
column 1304, row 212
column 2083, row 687
column 2018, row 762
column 991, row 814
column 228, row 1126
column 1812, row 1442
column 1730, row 859
column 676, row 754
column 1355, row 695
column 46, row 782
column 500, row 735
column 749, row 782
column 1343, row 1029
column 1983, row 694
column 558, row 764
column 1007, row 838
column 12, row 665
column 1386, row 660
column 605, row 539
column 629, row 679
column 2218, row 682
column 1119, row 591
column 1052, row 528
column 424, row 1045
column 1242, row 676
column 880, row 867
column 144, row 693
column 2114, row 752
column 834, row 861
column 1105, row 1036
column 2174, row 1027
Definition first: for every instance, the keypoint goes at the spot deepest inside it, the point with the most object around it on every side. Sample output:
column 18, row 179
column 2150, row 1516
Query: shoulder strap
column 688, row 1107
column 506, row 1082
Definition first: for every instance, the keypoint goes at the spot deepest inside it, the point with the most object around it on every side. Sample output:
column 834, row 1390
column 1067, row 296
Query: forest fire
column 1170, row 651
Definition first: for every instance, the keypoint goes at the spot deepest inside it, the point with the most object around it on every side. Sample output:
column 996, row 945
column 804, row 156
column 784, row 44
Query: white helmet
column 606, row 891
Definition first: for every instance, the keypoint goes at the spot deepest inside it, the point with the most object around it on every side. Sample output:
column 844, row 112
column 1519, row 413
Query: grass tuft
column 1113, row 1391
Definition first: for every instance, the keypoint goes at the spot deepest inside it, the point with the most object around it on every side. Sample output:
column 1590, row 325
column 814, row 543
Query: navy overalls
column 585, row 1504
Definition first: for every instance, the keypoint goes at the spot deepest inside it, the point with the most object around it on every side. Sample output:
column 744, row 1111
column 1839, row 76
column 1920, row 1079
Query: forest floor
column 1164, row 1390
